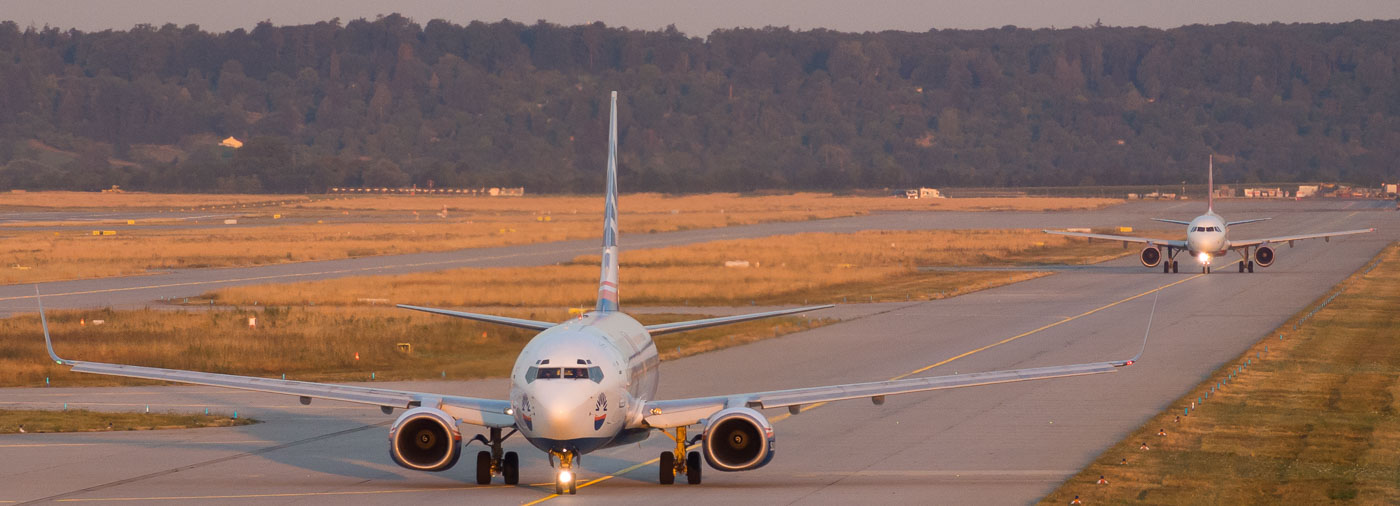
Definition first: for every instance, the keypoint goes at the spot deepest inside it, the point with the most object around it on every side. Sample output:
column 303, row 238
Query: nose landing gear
column 566, row 480
column 672, row 463
column 496, row 461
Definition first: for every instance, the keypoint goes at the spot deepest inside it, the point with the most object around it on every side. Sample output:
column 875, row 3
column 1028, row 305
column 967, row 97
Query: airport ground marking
column 64, row 497
column 269, row 496
column 813, row 406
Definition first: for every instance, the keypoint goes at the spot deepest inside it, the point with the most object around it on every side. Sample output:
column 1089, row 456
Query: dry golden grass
column 381, row 225
column 314, row 344
column 814, row 267
column 82, row 420
column 1311, row 420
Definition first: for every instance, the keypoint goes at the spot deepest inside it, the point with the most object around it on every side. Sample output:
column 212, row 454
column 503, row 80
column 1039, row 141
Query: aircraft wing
column 667, row 328
column 499, row 320
column 1178, row 222
column 1291, row 238
column 484, row 412
column 682, row 412
column 1124, row 238
column 663, row 414
column 1241, row 222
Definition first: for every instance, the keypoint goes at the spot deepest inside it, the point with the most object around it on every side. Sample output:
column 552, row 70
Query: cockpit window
column 594, row 373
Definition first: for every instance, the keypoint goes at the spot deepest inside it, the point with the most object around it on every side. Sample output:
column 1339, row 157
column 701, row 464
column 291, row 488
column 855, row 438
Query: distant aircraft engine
column 1264, row 256
column 1150, row 256
column 425, row 439
column 737, row 439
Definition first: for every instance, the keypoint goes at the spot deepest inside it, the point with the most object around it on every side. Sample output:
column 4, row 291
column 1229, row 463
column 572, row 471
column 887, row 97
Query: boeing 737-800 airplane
column 1207, row 239
column 586, row 384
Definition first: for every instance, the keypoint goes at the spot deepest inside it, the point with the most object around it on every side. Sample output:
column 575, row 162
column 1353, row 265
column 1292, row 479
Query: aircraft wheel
column 1166, row 266
column 1241, row 266
column 1174, row 266
column 692, row 468
column 510, row 468
column 668, row 468
column 483, row 467
column 573, row 485
column 1251, row 267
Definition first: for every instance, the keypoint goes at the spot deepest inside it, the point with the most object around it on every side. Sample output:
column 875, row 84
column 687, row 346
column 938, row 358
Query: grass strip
column 82, row 420
column 1305, row 416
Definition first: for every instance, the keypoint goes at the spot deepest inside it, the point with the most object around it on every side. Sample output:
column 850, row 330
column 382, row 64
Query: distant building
column 1307, row 190
column 1263, row 192
column 919, row 193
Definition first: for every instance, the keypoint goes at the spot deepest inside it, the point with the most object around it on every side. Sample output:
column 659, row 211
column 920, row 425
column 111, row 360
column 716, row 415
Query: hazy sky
column 699, row 17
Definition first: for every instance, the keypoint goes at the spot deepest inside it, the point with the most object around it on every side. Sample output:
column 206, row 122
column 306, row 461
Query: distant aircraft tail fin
column 607, row 283
column 1210, row 186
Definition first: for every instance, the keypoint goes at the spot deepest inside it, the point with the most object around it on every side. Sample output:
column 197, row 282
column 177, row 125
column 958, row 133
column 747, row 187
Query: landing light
column 1203, row 258
column 565, row 477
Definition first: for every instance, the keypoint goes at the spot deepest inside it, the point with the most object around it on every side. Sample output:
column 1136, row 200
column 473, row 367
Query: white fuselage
column 567, row 407
column 1205, row 237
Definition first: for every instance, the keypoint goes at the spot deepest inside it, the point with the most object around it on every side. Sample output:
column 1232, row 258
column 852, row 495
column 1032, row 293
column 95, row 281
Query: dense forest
column 390, row 102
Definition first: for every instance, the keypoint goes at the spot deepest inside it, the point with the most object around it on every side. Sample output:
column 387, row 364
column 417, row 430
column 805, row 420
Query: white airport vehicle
column 586, row 384
column 1207, row 239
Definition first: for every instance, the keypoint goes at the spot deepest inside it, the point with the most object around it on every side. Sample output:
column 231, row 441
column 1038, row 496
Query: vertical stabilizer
column 607, row 284
column 1210, row 186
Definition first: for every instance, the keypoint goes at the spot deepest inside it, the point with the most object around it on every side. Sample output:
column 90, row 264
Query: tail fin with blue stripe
column 607, row 284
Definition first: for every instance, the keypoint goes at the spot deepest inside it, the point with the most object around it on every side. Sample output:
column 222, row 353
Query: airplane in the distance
column 586, row 384
column 1207, row 239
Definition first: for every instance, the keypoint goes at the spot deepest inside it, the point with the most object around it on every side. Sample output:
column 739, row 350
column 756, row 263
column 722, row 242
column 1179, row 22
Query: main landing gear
column 1169, row 265
column 1246, row 263
column 496, row 461
column 671, row 465
column 566, row 480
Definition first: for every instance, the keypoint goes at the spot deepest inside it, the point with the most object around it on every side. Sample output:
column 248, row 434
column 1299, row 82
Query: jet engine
column 1150, row 256
column 737, row 439
column 425, row 439
column 1264, row 256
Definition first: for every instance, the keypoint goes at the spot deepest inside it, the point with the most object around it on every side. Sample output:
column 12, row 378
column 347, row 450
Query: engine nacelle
column 1150, row 256
column 425, row 439
column 1264, row 256
column 737, row 439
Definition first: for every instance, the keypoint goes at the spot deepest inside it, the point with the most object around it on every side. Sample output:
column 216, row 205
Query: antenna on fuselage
column 607, row 283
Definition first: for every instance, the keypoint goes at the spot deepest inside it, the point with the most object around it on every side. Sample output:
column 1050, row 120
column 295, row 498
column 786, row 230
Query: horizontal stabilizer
column 667, row 328
column 499, row 320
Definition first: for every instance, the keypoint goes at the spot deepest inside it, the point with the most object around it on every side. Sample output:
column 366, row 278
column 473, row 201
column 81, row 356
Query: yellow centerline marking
column 813, row 406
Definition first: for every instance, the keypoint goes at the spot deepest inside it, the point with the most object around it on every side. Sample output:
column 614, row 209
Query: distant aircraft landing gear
column 678, row 462
column 496, row 461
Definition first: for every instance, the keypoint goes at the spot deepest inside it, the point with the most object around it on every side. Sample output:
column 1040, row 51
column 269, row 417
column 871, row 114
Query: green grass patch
column 82, row 420
column 1311, row 420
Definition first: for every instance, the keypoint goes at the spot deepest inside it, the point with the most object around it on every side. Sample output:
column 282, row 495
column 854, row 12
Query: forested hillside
column 392, row 102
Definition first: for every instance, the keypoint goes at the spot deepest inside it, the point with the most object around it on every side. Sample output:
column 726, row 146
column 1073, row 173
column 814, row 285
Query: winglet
column 607, row 285
column 48, row 341
column 1146, row 333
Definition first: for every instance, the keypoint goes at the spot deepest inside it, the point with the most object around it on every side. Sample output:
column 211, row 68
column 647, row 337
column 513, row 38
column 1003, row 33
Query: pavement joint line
column 63, row 497
column 268, row 496
column 813, row 406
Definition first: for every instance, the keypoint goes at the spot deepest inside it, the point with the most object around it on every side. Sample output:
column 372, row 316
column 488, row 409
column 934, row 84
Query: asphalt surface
column 1003, row 444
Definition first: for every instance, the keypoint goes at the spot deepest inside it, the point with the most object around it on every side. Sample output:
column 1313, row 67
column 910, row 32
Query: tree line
column 391, row 102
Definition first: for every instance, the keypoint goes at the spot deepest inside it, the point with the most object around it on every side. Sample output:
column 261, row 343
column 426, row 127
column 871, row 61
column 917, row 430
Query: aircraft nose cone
column 562, row 412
